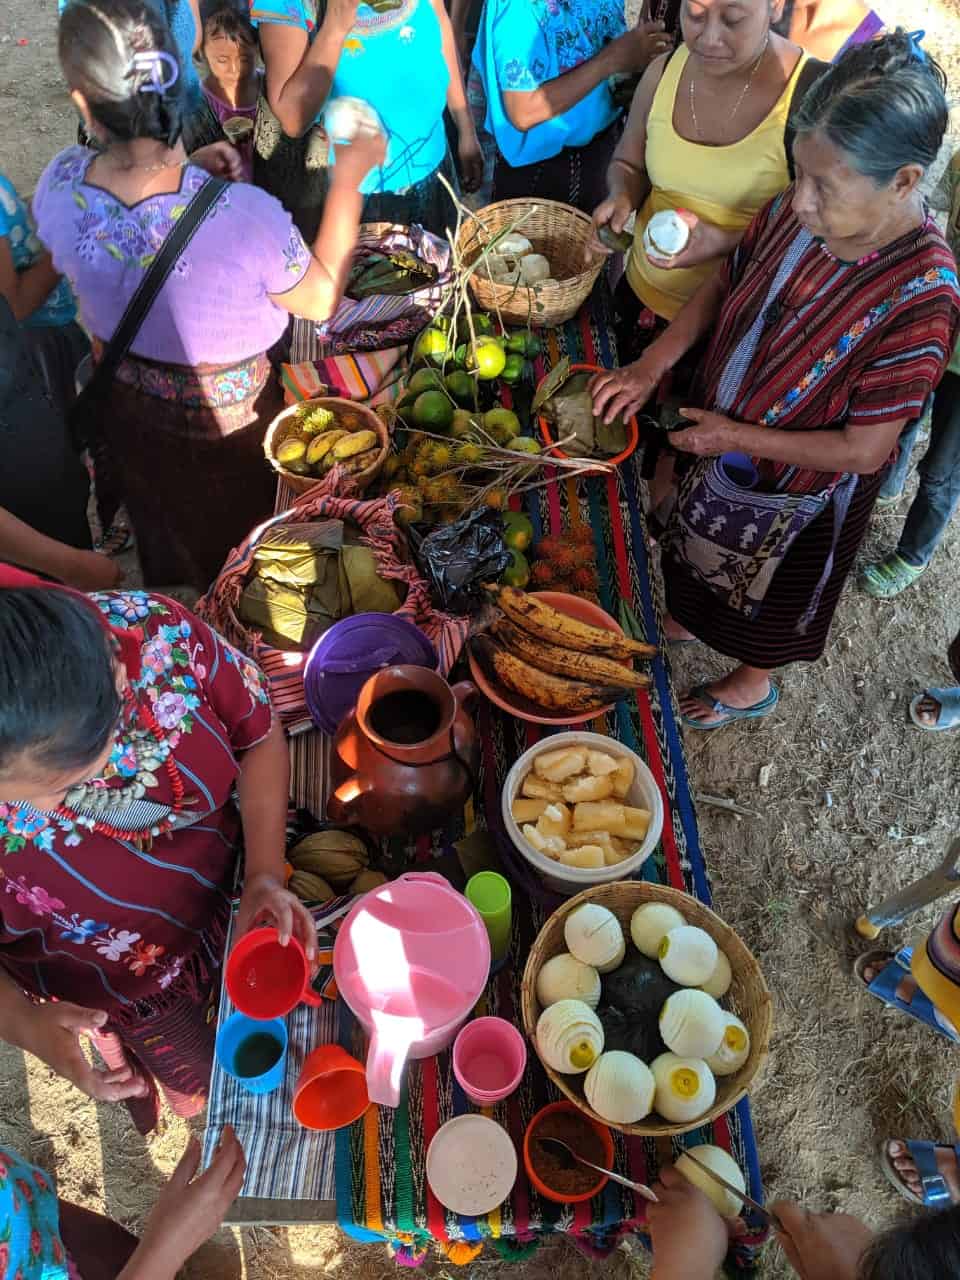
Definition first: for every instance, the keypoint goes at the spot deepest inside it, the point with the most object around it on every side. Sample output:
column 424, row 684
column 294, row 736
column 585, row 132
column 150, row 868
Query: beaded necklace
column 96, row 797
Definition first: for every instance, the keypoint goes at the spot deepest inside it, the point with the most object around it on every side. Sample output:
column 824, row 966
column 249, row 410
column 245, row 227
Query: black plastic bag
column 457, row 559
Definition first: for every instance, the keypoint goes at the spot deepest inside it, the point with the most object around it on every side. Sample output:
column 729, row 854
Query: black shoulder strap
column 145, row 295
column 810, row 72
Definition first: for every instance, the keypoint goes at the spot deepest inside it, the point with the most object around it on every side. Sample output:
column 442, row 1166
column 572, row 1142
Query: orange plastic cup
column 331, row 1090
column 602, row 1132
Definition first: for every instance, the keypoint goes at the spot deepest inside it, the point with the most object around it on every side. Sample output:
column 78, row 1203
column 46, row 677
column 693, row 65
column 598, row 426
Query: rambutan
column 566, row 559
column 547, row 548
column 542, row 575
column 585, row 579
column 580, row 535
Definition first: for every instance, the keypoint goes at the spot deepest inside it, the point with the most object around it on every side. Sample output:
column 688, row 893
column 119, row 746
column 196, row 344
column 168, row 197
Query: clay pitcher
column 406, row 757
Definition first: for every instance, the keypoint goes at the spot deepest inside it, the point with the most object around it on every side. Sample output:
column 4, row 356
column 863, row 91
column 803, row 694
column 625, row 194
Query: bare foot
column 928, row 710
column 743, row 687
column 907, row 1171
column 673, row 630
column 906, row 987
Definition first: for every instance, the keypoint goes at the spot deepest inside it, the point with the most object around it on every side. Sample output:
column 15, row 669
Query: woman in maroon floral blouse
column 125, row 725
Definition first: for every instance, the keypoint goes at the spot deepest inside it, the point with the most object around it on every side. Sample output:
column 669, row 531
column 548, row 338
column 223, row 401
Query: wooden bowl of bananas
column 305, row 442
column 553, row 658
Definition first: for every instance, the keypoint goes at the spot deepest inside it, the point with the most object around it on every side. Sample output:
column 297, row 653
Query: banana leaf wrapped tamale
column 393, row 272
column 305, row 577
column 564, row 400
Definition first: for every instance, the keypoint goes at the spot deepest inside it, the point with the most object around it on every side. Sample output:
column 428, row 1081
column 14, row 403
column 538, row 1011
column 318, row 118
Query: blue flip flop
column 729, row 714
column 884, row 986
column 949, row 717
column 936, row 1193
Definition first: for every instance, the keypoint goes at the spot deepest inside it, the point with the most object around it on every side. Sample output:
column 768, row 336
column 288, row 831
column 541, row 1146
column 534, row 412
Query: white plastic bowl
column 644, row 794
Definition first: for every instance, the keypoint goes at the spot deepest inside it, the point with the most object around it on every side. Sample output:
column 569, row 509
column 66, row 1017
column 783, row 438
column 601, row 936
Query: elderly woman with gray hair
column 829, row 327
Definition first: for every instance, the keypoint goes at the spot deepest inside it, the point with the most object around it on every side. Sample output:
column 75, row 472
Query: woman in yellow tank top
column 705, row 135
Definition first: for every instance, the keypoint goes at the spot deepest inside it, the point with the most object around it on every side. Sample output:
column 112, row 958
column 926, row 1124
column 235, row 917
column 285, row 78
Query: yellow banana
column 549, row 624
column 552, row 693
column 566, row 662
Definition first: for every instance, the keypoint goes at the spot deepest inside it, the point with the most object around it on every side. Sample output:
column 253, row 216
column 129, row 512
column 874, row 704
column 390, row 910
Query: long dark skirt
column 186, row 449
column 577, row 176
column 771, row 639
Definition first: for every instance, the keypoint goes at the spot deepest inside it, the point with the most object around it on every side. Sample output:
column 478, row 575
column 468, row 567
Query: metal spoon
column 569, row 1157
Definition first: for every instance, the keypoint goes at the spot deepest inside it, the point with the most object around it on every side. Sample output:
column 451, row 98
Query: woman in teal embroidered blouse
column 404, row 63
column 44, row 1238
column 545, row 66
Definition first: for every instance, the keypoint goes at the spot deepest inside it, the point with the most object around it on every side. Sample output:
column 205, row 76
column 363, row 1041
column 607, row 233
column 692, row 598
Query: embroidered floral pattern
column 133, row 236
column 249, row 674
column 935, row 278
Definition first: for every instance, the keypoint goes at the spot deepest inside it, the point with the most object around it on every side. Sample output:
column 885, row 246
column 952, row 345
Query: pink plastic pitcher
column 410, row 960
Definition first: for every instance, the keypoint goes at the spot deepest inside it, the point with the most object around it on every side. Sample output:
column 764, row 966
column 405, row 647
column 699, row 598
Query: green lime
column 488, row 358
column 431, row 345
column 513, row 369
column 423, row 380
column 432, row 410
column 518, row 530
column 501, row 421
column 482, row 323
column 517, row 572
column 524, row 444
column 461, row 386
column 460, row 356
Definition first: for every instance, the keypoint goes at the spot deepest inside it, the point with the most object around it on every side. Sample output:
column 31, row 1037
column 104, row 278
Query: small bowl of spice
column 548, row 1173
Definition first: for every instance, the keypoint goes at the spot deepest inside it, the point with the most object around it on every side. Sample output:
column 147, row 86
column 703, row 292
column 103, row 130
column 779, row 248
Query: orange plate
column 523, row 708
column 602, row 1132
column 633, row 431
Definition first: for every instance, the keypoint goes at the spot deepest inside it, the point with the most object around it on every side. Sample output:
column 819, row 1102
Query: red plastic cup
column 266, row 980
column 489, row 1058
column 331, row 1090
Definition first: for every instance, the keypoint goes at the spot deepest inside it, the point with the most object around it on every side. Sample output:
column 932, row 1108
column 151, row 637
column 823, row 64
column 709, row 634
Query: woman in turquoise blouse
column 403, row 62
column 545, row 66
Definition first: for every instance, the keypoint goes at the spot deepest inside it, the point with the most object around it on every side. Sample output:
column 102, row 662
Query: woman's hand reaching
column 221, row 160
column 355, row 159
column 711, row 434
column 621, row 392
column 612, row 213
column 52, row 1032
column 264, row 900
column 821, row 1246
column 188, row 1211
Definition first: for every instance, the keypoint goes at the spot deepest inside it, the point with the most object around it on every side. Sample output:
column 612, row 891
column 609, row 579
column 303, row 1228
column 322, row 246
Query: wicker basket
column 355, row 417
column 748, row 995
column 560, row 233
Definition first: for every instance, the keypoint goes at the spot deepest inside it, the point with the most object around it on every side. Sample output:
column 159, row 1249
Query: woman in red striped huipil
column 831, row 325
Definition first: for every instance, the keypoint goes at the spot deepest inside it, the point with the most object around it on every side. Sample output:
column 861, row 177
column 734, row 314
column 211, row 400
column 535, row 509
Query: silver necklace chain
column 743, row 92
column 142, row 168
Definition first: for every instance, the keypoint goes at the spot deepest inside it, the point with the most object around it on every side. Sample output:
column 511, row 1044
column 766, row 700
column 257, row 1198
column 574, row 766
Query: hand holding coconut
column 607, row 235
column 690, row 1239
column 677, row 238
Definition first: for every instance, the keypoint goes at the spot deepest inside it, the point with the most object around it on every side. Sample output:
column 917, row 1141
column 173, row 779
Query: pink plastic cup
column 489, row 1057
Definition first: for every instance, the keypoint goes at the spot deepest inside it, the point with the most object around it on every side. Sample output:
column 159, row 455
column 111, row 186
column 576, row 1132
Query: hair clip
column 155, row 63
column 915, row 37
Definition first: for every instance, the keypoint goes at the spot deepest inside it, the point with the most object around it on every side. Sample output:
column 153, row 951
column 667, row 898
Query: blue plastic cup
column 739, row 469
column 243, row 1052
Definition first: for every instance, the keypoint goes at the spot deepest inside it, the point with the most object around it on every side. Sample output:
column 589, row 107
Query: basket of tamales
column 305, row 442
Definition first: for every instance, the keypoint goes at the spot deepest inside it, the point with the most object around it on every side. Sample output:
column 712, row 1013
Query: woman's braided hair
column 883, row 104
column 100, row 41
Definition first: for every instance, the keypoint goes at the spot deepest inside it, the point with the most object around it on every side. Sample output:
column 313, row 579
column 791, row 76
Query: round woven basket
column 556, row 230
column 352, row 416
column 748, row 996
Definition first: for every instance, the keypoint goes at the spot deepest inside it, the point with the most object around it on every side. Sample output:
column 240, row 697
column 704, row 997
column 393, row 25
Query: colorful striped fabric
column 359, row 376
column 382, row 1192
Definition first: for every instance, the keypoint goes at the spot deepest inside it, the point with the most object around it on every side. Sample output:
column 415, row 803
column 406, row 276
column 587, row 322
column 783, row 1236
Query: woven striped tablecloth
column 380, row 1180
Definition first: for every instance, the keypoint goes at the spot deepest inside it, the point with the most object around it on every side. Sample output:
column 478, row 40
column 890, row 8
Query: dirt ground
column 856, row 802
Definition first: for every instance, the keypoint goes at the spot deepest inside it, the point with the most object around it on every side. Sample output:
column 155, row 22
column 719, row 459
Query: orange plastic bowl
column 633, row 430
column 602, row 1132
column 332, row 1089
column 523, row 708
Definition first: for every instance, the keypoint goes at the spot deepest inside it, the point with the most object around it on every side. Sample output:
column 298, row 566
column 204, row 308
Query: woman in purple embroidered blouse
column 182, row 433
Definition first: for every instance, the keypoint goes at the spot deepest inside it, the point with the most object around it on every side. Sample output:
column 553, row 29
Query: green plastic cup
column 490, row 894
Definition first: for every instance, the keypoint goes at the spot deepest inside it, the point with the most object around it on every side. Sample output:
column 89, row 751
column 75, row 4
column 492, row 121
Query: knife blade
column 741, row 1195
